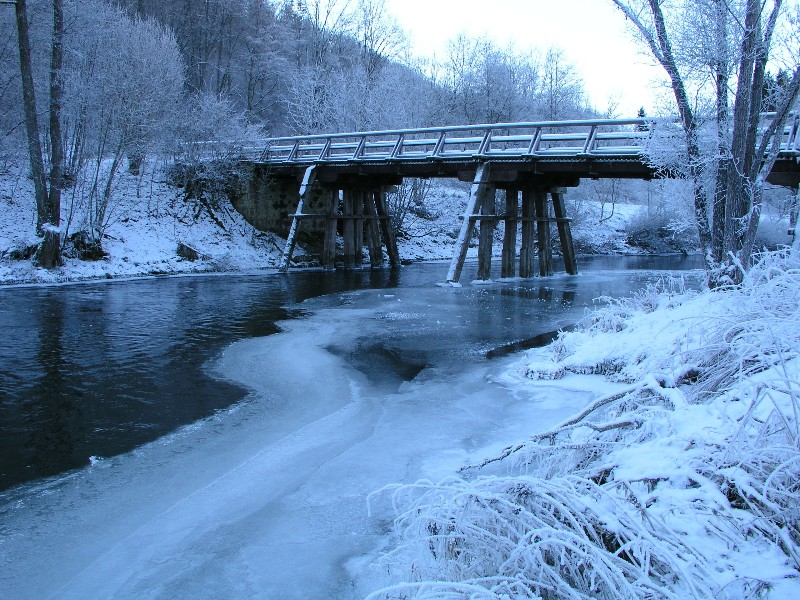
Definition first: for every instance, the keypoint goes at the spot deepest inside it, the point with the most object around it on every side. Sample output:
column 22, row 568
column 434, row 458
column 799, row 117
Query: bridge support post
column 372, row 231
column 308, row 179
column 543, row 233
column 526, row 253
column 564, row 231
column 486, row 235
column 358, row 212
column 386, row 228
column 329, row 244
column 507, row 266
column 348, row 229
column 479, row 188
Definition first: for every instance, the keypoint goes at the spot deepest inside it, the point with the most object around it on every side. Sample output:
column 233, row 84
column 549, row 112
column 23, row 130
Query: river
column 218, row 436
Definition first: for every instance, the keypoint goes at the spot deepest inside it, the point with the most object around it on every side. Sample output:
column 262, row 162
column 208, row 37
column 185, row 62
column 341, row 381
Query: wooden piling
column 329, row 244
column 386, row 228
column 348, row 229
column 564, row 231
column 526, row 253
column 543, row 233
column 372, row 231
column 358, row 213
column 486, row 235
column 510, row 235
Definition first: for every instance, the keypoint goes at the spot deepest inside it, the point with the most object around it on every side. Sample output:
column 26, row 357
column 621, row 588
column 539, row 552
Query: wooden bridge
column 532, row 162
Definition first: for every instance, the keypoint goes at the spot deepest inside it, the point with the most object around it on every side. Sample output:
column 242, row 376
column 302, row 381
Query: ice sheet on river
column 269, row 499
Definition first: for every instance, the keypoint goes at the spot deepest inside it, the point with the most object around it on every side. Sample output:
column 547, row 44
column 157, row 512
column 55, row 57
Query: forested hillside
column 137, row 79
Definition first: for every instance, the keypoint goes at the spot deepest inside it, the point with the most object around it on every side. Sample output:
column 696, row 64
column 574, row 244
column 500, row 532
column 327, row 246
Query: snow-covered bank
column 681, row 481
column 150, row 231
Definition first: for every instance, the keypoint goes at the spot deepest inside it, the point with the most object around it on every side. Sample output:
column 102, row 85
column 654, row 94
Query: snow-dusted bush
column 683, row 483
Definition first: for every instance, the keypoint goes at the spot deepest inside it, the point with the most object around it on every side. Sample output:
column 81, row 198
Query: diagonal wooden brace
column 480, row 188
column 308, row 179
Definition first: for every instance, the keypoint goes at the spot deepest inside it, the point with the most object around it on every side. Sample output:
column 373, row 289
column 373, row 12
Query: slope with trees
column 140, row 78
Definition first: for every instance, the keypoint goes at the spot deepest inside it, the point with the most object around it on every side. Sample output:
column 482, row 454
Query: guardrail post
column 437, row 149
column 510, row 235
column 325, row 150
column 536, row 139
column 590, row 139
column 293, row 152
column 398, row 147
column 486, row 142
column 360, row 148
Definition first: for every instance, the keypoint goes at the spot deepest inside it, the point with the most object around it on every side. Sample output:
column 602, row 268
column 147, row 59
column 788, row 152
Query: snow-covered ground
column 678, row 479
column 148, row 220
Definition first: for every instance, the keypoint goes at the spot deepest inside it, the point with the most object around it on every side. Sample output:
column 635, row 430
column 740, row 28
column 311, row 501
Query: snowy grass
column 682, row 483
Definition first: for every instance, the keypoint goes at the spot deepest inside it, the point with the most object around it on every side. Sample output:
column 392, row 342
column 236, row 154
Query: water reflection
column 52, row 415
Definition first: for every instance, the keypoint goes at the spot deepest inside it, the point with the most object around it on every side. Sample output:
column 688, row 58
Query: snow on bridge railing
column 487, row 141
column 609, row 138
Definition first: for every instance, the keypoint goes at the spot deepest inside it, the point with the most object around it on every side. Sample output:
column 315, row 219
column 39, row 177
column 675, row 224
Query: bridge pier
column 543, row 232
column 527, row 251
column 364, row 217
column 535, row 219
column 486, row 234
column 329, row 243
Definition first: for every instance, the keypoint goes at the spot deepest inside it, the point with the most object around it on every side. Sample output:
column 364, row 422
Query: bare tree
column 48, row 197
column 562, row 93
column 747, row 146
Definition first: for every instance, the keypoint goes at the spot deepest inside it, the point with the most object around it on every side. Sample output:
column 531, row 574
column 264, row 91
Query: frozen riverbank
column 680, row 484
column 371, row 388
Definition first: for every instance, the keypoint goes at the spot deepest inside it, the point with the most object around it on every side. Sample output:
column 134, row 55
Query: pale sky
column 592, row 33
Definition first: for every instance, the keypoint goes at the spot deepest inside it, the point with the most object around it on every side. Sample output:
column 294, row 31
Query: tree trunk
column 723, row 142
column 31, row 119
column 49, row 254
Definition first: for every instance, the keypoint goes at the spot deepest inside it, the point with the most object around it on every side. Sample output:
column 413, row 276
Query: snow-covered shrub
column 683, row 483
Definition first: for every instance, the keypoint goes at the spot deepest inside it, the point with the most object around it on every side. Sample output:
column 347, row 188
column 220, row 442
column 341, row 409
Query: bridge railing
column 584, row 138
column 622, row 138
column 500, row 140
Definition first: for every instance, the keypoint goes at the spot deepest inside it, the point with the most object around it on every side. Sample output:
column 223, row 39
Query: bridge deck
column 616, row 148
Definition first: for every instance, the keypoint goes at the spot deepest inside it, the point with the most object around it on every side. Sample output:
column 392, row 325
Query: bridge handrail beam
column 546, row 138
column 480, row 127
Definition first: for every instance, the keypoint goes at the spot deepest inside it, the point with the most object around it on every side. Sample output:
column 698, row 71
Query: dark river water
column 97, row 369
